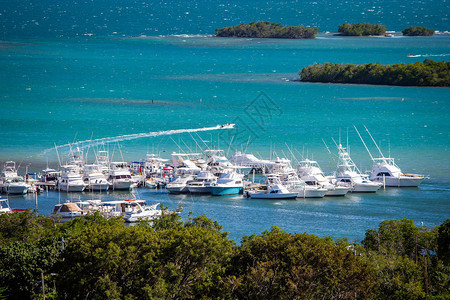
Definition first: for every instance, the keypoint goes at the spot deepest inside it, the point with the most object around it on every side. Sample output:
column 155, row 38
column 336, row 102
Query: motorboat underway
column 119, row 176
column 12, row 183
column 132, row 210
column 202, row 184
column 275, row 190
column 94, row 179
column 310, row 172
column 386, row 172
column 180, row 184
column 70, row 180
column 347, row 174
column 228, row 184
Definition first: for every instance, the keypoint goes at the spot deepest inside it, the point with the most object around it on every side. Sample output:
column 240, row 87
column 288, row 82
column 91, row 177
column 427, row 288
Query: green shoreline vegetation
column 428, row 73
column 265, row 29
column 97, row 258
column 418, row 31
column 361, row 29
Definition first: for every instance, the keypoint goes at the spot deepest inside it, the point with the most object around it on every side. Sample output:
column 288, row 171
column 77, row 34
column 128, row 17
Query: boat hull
column 273, row 196
column 365, row 187
column 226, row 190
column 121, row 185
column 312, row 193
column 177, row 189
column 403, row 181
column 199, row 189
column 71, row 188
column 98, row 187
column 337, row 192
column 15, row 189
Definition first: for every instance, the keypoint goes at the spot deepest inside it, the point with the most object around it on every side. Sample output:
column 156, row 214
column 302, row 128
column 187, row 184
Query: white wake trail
column 127, row 137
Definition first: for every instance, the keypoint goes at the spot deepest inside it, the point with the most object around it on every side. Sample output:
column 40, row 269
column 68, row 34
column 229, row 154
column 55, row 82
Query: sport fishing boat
column 202, row 185
column 386, row 172
column 94, row 179
column 180, row 184
column 119, row 176
column 347, row 174
column 12, row 183
column 310, row 172
column 132, row 210
column 70, row 180
column 228, row 184
column 275, row 190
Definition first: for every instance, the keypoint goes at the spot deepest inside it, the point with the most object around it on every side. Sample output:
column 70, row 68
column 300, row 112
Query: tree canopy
column 418, row 31
column 360, row 29
column 97, row 258
column 428, row 73
column 265, row 29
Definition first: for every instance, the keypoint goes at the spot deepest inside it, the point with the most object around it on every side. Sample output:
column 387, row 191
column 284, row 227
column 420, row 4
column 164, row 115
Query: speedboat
column 180, row 184
column 228, row 184
column 347, row 174
column 119, row 176
column 94, row 179
column 12, row 183
column 413, row 55
column 202, row 184
column 70, row 180
column 310, row 172
column 386, row 172
column 276, row 190
column 132, row 210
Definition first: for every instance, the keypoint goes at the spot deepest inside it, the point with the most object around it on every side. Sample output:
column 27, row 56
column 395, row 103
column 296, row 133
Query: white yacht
column 12, row 183
column 94, row 179
column 228, row 184
column 67, row 211
column 310, row 172
column 119, row 176
column 386, row 172
column 180, row 184
column 50, row 175
column 132, row 210
column 275, row 190
column 347, row 174
column 202, row 184
column 70, row 180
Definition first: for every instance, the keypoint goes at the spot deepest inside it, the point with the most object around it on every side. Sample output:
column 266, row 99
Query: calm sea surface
column 58, row 86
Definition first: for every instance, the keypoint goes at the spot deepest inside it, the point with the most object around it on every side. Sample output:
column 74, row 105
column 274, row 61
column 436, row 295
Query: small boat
column 389, row 35
column 68, row 211
column 13, row 183
column 202, row 185
column 119, row 176
column 227, row 126
column 4, row 206
column 275, row 190
column 414, row 55
column 180, row 184
column 70, row 180
column 132, row 210
column 228, row 184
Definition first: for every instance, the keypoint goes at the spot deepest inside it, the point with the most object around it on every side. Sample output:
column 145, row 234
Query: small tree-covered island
column 171, row 258
column 361, row 29
column 418, row 31
column 265, row 29
column 428, row 73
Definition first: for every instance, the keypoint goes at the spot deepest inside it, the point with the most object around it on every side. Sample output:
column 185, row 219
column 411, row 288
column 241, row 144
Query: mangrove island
column 428, row 73
column 418, row 31
column 265, row 29
column 361, row 29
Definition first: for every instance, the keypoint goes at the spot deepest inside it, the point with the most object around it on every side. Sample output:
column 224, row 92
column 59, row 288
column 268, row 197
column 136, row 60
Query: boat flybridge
column 347, row 174
column 386, row 172
column 119, row 176
column 11, row 182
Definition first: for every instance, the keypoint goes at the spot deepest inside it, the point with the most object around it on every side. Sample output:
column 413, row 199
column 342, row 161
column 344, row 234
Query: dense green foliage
column 428, row 73
column 265, row 29
column 360, row 29
column 95, row 258
column 418, row 31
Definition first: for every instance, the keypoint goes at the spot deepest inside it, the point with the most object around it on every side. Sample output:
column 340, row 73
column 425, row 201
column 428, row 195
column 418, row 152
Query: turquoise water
column 58, row 86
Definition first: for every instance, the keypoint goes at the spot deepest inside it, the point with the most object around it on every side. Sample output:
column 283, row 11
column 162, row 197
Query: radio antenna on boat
column 373, row 141
column 57, row 154
column 229, row 146
column 371, row 157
